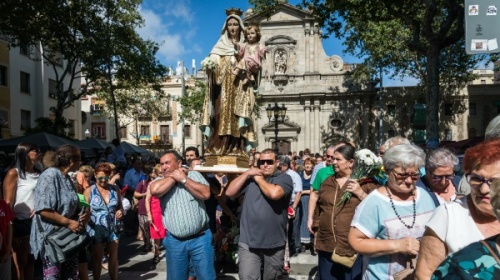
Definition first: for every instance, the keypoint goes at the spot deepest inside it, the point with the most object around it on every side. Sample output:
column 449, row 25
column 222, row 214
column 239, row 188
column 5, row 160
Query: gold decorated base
column 236, row 161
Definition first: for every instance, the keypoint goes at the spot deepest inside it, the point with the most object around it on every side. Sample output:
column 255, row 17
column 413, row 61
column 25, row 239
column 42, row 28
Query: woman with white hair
column 439, row 175
column 389, row 221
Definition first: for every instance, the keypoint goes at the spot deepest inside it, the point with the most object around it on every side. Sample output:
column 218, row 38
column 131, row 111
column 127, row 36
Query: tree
column 422, row 39
column 192, row 103
column 96, row 40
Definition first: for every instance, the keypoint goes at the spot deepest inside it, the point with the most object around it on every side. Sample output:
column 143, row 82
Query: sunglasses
column 105, row 178
column 476, row 181
column 403, row 176
column 263, row 161
column 441, row 177
column 329, row 156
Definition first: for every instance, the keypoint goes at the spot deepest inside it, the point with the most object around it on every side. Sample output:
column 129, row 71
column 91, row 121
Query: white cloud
column 180, row 9
column 158, row 30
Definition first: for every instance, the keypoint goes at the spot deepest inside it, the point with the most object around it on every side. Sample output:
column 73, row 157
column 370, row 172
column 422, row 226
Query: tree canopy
column 96, row 40
column 416, row 38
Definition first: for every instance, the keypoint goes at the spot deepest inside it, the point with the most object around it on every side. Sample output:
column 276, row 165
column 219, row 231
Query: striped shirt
column 183, row 214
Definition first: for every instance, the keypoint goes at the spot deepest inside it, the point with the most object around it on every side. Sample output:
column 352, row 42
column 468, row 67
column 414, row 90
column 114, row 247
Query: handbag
column 336, row 258
column 61, row 243
column 409, row 272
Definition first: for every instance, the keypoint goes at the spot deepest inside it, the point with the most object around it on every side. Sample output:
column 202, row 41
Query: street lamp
column 87, row 133
column 275, row 113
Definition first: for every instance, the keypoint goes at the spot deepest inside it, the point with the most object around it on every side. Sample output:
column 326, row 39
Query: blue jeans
column 328, row 270
column 197, row 251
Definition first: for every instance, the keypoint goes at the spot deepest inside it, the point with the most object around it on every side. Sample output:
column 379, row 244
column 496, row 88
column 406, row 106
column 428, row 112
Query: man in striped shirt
column 188, row 239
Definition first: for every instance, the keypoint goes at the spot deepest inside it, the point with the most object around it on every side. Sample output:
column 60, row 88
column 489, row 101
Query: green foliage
column 192, row 103
column 46, row 124
column 96, row 39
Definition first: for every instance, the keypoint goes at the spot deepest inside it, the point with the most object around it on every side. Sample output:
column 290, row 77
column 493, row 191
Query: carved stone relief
column 280, row 61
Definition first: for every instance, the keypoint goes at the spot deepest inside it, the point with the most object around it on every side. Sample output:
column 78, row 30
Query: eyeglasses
column 329, row 156
column 477, row 181
column 441, row 177
column 403, row 176
column 268, row 161
column 105, row 178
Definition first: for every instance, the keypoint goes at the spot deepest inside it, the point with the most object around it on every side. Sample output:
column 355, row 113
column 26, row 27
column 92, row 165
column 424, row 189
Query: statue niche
column 280, row 62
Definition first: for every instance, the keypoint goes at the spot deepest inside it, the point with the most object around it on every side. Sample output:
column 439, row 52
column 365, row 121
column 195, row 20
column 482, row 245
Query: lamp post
column 87, row 133
column 275, row 113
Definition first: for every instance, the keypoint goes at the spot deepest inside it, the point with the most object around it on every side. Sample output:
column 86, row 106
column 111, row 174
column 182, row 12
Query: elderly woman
column 19, row 194
column 469, row 219
column 389, row 222
column 439, row 175
column 56, row 205
column 479, row 259
column 227, row 119
column 334, row 216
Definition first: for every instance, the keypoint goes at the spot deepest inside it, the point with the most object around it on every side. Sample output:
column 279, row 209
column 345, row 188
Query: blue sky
column 188, row 29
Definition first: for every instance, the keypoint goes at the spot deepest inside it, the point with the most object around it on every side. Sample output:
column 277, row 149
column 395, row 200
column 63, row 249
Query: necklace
column 397, row 214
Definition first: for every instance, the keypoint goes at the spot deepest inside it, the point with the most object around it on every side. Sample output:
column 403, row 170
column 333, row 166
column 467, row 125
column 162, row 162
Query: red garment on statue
column 160, row 232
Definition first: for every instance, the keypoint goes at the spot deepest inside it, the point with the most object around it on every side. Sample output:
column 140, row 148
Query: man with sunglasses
column 264, row 217
column 439, row 176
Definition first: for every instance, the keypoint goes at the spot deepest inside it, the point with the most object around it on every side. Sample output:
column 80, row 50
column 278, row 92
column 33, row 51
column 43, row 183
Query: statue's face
column 233, row 28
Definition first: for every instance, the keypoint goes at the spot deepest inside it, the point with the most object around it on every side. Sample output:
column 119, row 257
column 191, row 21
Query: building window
column 472, row 132
column 71, row 128
column 164, row 133
column 3, row 75
column 122, row 132
column 53, row 88
column 187, row 131
column 99, row 130
column 448, row 109
column 25, row 119
column 145, row 130
column 25, row 82
column 391, row 111
column 483, row 82
column 448, row 135
column 97, row 108
column 472, row 109
column 145, row 135
column 391, row 133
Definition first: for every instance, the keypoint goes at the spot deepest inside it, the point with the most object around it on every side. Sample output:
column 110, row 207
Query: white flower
column 208, row 64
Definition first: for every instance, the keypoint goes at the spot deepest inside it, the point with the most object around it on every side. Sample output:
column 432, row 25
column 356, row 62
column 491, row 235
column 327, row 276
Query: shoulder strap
column 333, row 214
column 429, row 190
column 491, row 251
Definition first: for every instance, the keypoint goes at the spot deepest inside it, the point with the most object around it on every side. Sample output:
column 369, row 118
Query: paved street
column 136, row 265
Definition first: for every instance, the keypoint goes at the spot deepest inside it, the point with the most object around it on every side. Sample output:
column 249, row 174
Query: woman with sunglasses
column 439, row 176
column 390, row 221
column 467, row 220
column 19, row 193
column 106, row 211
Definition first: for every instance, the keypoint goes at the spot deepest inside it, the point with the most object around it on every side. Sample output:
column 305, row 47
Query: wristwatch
column 183, row 181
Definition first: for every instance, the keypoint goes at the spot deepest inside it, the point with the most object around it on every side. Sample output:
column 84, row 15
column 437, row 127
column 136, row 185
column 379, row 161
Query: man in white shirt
column 294, row 225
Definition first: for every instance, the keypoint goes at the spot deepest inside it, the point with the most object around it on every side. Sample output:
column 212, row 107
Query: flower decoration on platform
column 208, row 64
column 367, row 165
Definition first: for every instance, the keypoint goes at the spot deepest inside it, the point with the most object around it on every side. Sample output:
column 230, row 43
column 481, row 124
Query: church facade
column 324, row 105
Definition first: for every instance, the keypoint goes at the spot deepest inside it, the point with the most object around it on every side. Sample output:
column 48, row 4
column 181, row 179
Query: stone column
column 316, row 135
column 307, row 31
column 307, row 132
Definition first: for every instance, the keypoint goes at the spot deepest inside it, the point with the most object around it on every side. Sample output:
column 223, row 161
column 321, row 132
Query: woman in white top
column 467, row 220
column 19, row 189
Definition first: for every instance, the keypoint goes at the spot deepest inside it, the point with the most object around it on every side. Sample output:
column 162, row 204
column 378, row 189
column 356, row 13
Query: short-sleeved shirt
column 297, row 183
column 376, row 218
column 53, row 191
column 6, row 217
column 474, row 261
column 183, row 214
column 323, row 173
column 263, row 221
column 453, row 224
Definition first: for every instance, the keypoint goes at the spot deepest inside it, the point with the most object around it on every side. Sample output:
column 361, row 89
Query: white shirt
column 453, row 224
column 297, row 183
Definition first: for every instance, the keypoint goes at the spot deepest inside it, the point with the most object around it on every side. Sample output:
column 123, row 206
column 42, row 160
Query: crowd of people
column 413, row 219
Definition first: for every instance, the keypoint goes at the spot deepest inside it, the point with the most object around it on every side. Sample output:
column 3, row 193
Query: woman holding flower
column 389, row 222
column 228, row 108
column 333, row 217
